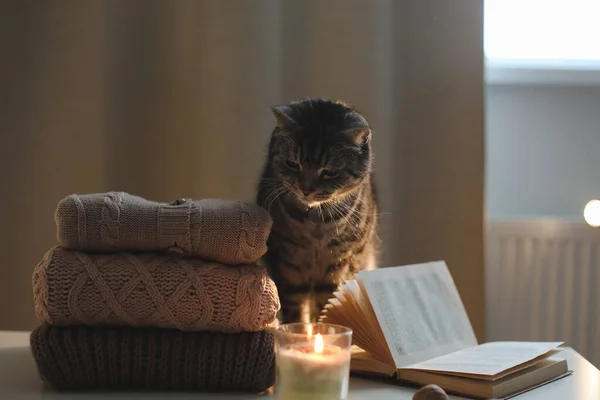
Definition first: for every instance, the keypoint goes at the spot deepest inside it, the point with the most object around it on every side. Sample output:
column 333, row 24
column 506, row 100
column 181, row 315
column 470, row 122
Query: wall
column 543, row 149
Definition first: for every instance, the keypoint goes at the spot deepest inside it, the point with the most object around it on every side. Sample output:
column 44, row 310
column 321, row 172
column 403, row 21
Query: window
column 554, row 38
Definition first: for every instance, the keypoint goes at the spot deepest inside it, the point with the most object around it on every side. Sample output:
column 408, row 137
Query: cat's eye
column 329, row 173
column 292, row 165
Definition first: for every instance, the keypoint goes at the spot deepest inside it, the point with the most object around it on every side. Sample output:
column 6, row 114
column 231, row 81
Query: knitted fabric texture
column 112, row 358
column 157, row 290
column 226, row 231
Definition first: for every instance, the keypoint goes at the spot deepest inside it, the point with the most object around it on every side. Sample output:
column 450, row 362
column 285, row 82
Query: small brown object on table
column 430, row 392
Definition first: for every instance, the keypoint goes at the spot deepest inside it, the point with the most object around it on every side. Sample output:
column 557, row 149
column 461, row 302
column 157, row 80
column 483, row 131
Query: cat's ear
column 360, row 135
column 283, row 115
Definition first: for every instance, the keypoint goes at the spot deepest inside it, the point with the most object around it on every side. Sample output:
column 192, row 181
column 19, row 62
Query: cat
column 318, row 186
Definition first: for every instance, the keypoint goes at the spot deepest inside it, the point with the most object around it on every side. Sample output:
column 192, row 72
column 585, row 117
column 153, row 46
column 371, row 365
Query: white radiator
column 542, row 280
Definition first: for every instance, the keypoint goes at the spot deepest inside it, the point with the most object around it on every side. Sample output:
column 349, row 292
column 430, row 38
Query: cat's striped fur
column 318, row 187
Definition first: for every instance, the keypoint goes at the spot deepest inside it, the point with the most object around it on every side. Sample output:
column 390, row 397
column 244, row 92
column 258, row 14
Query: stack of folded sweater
column 147, row 295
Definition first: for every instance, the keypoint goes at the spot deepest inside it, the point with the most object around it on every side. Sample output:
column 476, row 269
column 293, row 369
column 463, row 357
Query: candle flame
column 318, row 343
column 309, row 329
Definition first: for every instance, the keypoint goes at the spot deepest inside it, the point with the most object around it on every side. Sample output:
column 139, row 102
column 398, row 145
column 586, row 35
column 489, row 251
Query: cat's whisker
column 352, row 213
column 338, row 211
column 345, row 216
column 321, row 212
column 273, row 182
column 350, row 210
column 373, row 228
column 276, row 193
column 268, row 188
column 272, row 194
column 334, row 209
column 337, row 231
column 270, row 184
column 269, row 180
column 369, row 226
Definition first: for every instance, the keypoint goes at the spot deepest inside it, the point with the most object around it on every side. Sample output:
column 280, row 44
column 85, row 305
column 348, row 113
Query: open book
column 409, row 325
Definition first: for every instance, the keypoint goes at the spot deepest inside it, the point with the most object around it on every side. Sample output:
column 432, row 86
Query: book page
column 349, row 307
column 419, row 311
column 489, row 360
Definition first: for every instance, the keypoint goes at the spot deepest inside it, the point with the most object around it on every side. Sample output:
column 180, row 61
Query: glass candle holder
column 312, row 361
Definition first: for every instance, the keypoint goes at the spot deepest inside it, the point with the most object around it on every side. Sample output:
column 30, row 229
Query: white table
column 19, row 380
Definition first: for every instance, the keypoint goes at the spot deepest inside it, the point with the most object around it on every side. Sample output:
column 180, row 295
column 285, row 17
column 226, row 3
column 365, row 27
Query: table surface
column 19, row 380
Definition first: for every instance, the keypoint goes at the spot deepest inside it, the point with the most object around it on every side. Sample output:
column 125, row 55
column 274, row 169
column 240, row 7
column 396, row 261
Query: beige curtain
column 169, row 99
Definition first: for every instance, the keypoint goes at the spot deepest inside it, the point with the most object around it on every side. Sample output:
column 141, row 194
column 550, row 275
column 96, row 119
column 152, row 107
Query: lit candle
column 312, row 361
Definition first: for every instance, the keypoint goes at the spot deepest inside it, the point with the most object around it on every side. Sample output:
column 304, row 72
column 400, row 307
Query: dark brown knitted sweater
column 109, row 358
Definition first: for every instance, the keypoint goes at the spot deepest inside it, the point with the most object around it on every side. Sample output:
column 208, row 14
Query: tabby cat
column 318, row 187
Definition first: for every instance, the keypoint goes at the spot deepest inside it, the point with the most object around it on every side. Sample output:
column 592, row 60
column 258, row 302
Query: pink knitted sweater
column 152, row 289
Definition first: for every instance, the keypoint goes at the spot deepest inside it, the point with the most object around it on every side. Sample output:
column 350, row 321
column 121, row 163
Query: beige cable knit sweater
column 152, row 290
column 226, row 231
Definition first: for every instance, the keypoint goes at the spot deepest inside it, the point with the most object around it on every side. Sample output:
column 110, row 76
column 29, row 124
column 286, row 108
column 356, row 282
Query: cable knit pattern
column 152, row 290
column 226, row 231
column 112, row 358
column 110, row 222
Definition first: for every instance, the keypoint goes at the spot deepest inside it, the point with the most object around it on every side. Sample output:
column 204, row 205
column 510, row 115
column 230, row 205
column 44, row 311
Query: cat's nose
column 307, row 191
